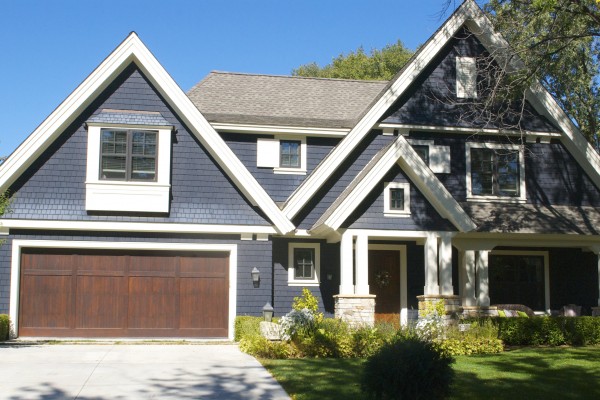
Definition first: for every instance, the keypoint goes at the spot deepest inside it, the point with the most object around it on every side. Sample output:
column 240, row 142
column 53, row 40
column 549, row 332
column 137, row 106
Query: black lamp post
column 267, row 311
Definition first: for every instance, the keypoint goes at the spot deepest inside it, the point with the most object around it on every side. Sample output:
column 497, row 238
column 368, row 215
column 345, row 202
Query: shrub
column 246, row 326
column 407, row 369
column 297, row 323
column 480, row 338
column 308, row 301
column 4, row 327
column 550, row 331
column 260, row 346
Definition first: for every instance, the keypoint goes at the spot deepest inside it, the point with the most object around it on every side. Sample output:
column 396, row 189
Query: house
column 142, row 211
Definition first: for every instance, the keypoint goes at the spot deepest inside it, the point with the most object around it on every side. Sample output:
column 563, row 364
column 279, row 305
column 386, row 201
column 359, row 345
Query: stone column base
column 478, row 311
column 451, row 305
column 595, row 311
column 355, row 309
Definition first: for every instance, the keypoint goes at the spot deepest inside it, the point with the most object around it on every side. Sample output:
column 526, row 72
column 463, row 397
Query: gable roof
column 132, row 50
column 401, row 152
column 234, row 98
column 468, row 14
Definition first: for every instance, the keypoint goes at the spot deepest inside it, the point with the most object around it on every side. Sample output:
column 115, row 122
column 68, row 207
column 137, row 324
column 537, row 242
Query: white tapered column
column 346, row 265
column 431, row 265
column 445, row 264
column 362, row 264
column 483, row 292
column 467, row 270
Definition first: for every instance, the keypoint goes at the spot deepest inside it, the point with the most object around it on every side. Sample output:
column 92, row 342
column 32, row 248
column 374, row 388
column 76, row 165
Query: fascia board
column 211, row 140
column 132, row 49
column 314, row 181
column 425, row 180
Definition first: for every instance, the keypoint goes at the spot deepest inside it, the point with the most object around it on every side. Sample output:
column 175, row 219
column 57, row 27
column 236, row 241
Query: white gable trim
column 410, row 72
column 133, row 50
column 425, row 180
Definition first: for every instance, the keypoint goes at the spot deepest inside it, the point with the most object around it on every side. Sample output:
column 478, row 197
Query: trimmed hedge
column 4, row 327
column 549, row 331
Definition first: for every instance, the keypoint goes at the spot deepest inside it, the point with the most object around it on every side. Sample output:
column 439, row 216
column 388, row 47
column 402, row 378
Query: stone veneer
column 451, row 305
column 355, row 309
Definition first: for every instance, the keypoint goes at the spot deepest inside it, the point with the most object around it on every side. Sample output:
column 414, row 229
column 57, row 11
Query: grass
column 528, row 373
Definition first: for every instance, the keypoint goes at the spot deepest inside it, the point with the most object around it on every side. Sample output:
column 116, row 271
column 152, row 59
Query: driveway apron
column 133, row 371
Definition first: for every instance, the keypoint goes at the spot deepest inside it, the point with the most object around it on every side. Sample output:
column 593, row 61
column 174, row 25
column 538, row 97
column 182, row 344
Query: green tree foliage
column 4, row 197
column 377, row 65
column 558, row 41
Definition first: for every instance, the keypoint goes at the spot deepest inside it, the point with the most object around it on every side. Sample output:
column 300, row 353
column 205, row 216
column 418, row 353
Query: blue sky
column 48, row 48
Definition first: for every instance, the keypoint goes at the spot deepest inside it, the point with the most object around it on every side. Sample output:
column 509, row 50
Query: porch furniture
column 570, row 310
column 515, row 307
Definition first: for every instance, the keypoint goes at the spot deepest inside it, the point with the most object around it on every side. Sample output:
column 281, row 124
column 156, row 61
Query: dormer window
column 466, row 78
column 128, row 159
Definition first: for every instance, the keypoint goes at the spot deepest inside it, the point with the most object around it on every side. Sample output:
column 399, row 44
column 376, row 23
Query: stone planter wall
column 356, row 310
column 451, row 305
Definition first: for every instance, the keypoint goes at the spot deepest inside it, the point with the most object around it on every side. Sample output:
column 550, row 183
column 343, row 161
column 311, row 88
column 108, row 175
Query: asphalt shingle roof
column 225, row 97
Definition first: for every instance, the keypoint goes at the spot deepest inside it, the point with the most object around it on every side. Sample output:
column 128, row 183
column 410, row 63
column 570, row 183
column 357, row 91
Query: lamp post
column 267, row 312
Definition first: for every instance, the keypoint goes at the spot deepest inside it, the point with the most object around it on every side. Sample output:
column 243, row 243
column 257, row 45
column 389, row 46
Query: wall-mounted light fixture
column 255, row 277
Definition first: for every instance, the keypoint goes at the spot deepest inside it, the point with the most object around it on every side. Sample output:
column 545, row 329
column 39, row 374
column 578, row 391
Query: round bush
column 407, row 369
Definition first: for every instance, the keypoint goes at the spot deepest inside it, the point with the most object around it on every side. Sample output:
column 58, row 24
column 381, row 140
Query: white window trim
column 546, row 256
column 466, row 77
column 125, row 196
column 387, row 211
column 18, row 245
column 522, row 198
column 292, row 281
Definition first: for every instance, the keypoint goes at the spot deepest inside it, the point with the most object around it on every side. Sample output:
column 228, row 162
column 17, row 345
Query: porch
column 470, row 272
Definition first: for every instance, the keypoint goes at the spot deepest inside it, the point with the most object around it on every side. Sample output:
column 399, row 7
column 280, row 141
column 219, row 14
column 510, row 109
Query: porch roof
column 534, row 218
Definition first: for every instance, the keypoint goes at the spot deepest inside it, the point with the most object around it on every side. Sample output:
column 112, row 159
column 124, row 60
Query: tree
column 378, row 65
column 4, row 198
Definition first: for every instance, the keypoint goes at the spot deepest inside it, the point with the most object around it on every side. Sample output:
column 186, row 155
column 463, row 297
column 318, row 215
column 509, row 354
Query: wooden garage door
column 77, row 293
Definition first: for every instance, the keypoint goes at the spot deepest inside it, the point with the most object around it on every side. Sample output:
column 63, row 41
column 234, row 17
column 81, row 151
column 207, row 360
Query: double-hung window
column 129, row 155
column 396, row 199
column 289, row 153
column 303, row 267
column 495, row 172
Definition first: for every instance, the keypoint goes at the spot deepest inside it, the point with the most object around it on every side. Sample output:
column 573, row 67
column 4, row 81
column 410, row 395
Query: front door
column 384, row 283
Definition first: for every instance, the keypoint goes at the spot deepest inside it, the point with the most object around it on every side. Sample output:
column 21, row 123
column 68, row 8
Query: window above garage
column 128, row 157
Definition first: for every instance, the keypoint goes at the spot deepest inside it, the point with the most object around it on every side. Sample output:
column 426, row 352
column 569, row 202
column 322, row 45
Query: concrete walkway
column 133, row 371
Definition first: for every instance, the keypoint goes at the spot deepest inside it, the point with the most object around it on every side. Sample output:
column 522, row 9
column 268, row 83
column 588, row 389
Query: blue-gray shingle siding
column 54, row 186
column 278, row 186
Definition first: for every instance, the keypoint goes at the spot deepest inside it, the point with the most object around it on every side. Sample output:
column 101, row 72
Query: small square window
column 289, row 154
column 303, row 267
column 396, row 198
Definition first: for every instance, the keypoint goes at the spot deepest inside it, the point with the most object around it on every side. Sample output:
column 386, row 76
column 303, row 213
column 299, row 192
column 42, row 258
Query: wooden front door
column 384, row 283
column 90, row 293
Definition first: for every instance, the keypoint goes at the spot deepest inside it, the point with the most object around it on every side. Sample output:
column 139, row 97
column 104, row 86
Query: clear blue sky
column 47, row 48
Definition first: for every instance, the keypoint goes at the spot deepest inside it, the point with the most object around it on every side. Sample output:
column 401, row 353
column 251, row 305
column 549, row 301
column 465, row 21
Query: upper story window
column 303, row 264
column 128, row 155
column 423, row 152
column 436, row 157
column 466, row 77
column 396, row 199
column 495, row 172
column 289, row 153
column 128, row 159
column 285, row 154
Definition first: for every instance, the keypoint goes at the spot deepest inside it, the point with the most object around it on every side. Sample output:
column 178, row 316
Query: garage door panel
column 149, row 265
column 45, row 301
column 152, row 302
column 213, row 266
column 101, row 302
column 209, row 312
column 107, row 265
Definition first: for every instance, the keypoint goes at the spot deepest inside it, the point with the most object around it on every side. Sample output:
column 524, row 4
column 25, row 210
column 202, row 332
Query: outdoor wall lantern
column 267, row 311
column 255, row 277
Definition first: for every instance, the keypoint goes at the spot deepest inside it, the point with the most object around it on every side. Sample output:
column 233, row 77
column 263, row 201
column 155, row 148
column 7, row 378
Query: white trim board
column 133, row 50
column 132, row 226
column 281, row 130
column 18, row 245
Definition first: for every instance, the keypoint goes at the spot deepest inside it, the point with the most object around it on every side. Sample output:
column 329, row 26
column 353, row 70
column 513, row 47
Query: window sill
column 127, row 197
column 399, row 214
column 303, row 283
column 289, row 171
column 497, row 199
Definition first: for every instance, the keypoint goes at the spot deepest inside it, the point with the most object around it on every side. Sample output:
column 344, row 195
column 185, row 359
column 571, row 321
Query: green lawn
column 530, row 373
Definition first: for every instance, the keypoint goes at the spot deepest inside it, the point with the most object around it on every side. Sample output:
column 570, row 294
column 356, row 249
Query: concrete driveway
column 133, row 371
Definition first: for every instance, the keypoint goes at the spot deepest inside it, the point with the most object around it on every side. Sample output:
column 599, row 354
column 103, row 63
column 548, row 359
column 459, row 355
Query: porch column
column 346, row 265
column 467, row 273
column 445, row 264
column 362, row 264
column 483, row 293
column 431, row 265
